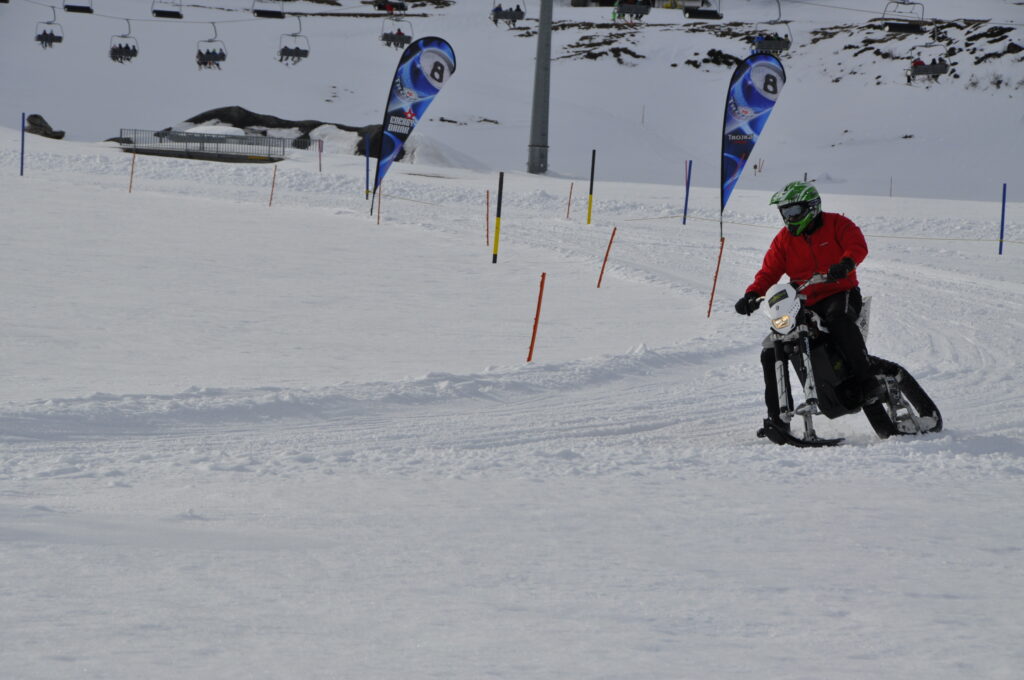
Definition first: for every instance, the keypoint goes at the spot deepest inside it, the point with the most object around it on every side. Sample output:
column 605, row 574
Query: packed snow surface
column 244, row 438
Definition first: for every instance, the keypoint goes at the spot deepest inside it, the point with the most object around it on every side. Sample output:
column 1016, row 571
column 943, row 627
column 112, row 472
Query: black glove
column 840, row 269
column 748, row 303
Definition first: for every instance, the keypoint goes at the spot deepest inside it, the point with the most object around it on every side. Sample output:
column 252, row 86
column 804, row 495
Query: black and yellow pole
column 497, row 217
column 590, row 198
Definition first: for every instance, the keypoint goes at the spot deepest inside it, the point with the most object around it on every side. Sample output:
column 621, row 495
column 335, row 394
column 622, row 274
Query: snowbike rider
column 814, row 241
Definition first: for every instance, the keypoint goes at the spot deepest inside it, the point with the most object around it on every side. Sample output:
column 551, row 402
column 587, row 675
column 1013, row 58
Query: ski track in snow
column 631, row 414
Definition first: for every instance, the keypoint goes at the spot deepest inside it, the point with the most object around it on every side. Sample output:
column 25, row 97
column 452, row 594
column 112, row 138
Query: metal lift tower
column 538, row 162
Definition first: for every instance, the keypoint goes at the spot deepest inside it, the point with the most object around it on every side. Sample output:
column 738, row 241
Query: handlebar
column 813, row 281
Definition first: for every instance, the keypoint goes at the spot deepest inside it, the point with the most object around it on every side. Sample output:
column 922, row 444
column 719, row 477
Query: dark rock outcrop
column 259, row 123
column 37, row 125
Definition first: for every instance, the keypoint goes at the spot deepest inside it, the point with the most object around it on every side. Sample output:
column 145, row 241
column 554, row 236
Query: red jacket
column 798, row 257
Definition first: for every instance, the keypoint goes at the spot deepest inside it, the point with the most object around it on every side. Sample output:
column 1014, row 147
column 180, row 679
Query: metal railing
column 201, row 145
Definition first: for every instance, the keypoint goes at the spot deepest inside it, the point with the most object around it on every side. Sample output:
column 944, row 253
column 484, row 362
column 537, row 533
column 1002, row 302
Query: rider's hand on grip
column 748, row 303
column 841, row 269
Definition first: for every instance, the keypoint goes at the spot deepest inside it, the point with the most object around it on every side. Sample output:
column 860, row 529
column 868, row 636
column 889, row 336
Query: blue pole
column 366, row 152
column 686, row 201
column 22, row 171
column 1002, row 221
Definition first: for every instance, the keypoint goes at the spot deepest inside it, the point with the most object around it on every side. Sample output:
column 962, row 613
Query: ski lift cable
column 231, row 21
column 153, row 20
column 875, row 13
column 848, row 9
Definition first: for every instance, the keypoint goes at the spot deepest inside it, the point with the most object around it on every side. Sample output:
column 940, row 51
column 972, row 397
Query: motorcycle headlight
column 782, row 322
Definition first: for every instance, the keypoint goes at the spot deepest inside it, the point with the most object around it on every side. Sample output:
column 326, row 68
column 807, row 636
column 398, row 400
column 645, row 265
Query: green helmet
column 800, row 204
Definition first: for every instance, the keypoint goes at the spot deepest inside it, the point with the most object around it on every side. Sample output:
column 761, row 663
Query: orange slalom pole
column 536, row 319
column 715, row 283
column 614, row 229
column 569, row 206
column 273, row 183
column 380, row 198
column 131, row 178
column 487, row 219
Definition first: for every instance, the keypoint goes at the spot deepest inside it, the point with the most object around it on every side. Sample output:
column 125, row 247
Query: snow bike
column 798, row 335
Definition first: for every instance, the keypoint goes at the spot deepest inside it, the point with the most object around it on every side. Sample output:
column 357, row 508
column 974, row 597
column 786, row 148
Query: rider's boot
column 774, row 427
column 775, row 430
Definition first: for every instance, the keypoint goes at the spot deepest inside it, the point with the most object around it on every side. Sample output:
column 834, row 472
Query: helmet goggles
column 800, row 216
column 794, row 212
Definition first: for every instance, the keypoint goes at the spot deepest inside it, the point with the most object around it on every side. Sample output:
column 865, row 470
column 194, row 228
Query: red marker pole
column 536, row 319
column 614, row 229
column 131, row 177
column 273, row 183
column 569, row 206
column 715, row 283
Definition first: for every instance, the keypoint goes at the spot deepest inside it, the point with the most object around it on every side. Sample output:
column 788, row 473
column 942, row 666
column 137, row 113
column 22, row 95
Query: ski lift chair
column 633, row 11
column 767, row 40
column 211, row 53
column 78, row 6
column 383, row 5
column 904, row 16
column 268, row 9
column 930, row 70
column 166, row 9
column 49, row 33
column 293, row 47
column 937, row 67
column 702, row 9
column 509, row 16
column 392, row 33
column 124, row 47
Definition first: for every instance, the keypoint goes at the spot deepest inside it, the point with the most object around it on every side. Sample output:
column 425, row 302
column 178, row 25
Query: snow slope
column 244, row 441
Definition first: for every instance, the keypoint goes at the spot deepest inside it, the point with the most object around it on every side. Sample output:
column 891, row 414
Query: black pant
column 839, row 312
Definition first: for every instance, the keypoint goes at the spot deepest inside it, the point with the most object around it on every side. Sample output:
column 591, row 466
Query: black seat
column 904, row 26
column 702, row 13
column 929, row 70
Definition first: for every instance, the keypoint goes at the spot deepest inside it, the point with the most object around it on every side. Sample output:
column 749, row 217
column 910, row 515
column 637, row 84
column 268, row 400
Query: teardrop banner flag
column 755, row 87
column 422, row 71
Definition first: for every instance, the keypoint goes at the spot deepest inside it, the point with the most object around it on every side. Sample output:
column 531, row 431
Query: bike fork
column 810, row 405
column 781, row 369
